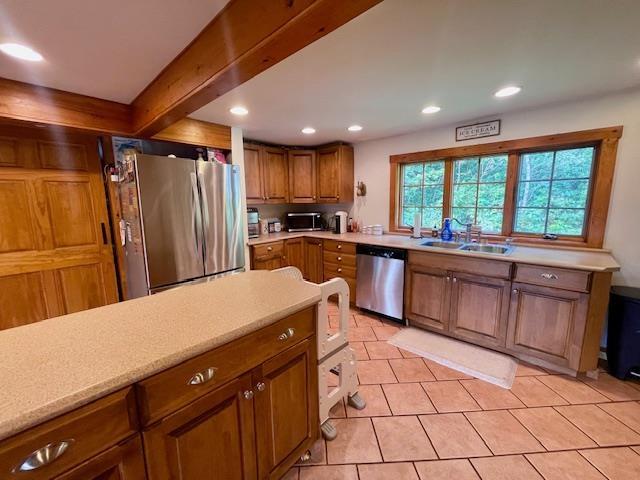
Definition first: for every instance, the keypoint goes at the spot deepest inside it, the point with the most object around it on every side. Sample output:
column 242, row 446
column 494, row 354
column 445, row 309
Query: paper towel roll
column 417, row 224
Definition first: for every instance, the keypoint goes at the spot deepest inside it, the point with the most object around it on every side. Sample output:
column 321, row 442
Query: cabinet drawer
column 340, row 247
column 464, row 264
column 553, row 277
column 268, row 250
column 74, row 437
column 335, row 270
column 169, row 390
column 340, row 258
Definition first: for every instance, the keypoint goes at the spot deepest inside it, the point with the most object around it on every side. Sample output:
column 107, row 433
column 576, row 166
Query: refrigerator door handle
column 197, row 227
column 205, row 211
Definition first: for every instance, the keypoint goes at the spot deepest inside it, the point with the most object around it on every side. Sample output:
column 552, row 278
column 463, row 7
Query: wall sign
column 478, row 130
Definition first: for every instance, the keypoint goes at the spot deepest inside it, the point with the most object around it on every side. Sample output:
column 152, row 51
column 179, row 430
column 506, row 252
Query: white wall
column 623, row 227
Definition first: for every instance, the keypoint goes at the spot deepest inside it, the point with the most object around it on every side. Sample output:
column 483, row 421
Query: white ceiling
column 383, row 67
column 107, row 49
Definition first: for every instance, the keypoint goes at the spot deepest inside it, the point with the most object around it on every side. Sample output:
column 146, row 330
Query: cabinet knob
column 260, row 386
column 287, row 334
column 455, row 280
column 339, row 247
column 515, row 291
column 269, row 249
column 203, row 377
column 248, row 394
column 448, row 278
column 339, row 270
column 43, row 456
column 339, row 259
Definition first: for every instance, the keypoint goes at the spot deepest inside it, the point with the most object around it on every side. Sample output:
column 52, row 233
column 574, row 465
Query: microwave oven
column 303, row 222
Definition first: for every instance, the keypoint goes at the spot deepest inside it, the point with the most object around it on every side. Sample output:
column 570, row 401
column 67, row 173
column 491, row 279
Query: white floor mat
column 487, row 365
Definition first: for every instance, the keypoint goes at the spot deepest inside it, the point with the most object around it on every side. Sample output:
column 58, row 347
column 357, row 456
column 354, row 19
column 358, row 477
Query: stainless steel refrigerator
column 181, row 221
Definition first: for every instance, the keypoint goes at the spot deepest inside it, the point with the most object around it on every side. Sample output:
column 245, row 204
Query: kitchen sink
column 441, row 244
column 474, row 247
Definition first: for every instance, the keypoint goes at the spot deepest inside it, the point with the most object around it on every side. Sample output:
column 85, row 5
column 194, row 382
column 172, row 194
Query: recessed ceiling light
column 431, row 109
column 20, row 51
column 308, row 130
column 507, row 91
column 354, row 128
column 239, row 110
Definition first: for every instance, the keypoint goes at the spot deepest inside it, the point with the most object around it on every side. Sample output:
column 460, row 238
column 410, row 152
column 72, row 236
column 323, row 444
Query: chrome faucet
column 467, row 230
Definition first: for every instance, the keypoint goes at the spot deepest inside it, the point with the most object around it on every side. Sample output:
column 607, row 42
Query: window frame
column 604, row 141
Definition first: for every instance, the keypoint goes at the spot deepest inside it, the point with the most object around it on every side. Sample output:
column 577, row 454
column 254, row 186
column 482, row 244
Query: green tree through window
column 422, row 187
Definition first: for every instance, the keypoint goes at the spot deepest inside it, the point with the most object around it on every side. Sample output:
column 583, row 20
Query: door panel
column 22, row 299
column 71, row 210
column 9, row 152
column 276, row 175
column 82, row 287
column 63, row 156
column 294, row 254
column 328, row 175
column 302, row 176
column 428, row 298
column 253, row 175
column 172, row 218
column 313, row 260
column 16, row 224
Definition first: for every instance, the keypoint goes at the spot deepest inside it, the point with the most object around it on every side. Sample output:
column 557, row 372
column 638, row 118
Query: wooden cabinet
column 548, row 323
column 335, row 174
column 427, row 297
column 302, row 176
column 339, row 260
column 253, row 174
column 286, row 408
column 294, row 254
column 268, row 256
column 266, row 174
column 313, row 259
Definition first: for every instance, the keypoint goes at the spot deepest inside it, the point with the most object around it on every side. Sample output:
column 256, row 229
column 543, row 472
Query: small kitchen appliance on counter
column 341, row 222
column 303, row 222
column 253, row 221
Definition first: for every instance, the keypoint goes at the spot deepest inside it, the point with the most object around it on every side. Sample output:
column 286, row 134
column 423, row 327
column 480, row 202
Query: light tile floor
column 424, row 421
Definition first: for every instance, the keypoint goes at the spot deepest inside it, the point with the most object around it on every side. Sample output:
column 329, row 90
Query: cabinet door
column 276, row 175
column 286, row 407
column 547, row 323
column 427, row 299
column 313, row 260
column 329, row 175
column 122, row 462
column 302, row 176
column 268, row 264
column 479, row 308
column 211, row 438
column 294, row 254
column 253, row 175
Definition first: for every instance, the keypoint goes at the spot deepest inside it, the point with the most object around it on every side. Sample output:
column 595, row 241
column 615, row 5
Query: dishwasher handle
column 385, row 252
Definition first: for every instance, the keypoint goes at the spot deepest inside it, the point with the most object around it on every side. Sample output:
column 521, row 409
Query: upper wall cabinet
column 275, row 175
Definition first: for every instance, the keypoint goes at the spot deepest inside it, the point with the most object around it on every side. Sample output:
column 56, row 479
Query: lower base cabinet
column 313, row 259
column 427, row 297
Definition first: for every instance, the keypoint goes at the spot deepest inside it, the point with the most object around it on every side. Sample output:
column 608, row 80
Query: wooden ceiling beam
column 244, row 39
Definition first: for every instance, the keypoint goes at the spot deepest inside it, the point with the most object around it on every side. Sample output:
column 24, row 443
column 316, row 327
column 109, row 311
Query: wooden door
column 211, row 438
column 479, row 308
column 294, row 254
column 253, row 174
column 329, row 175
column 122, row 462
column 427, row 299
column 547, row 323
column 302, row 176
column 276, row 175
column 286, row 408
column 55, row 249
column 313, row 260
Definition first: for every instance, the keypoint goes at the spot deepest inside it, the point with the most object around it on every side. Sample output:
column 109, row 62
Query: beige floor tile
column 636, row 449
column 291, row 474
column 450, row 396
column 526, row 370
column 453, row 436
column 615, row 463
column 356, row 443
column 361, row 334
column 564, row 466
column 551, row 429
column 444, row 373
column 513, row 467
column 329, row 472
column 605, row 430
column 411, row 370
column 612, row 388
column 318, row 455
column 407, row 354
column 407, row 399
column 376, row 403
column 375, row 371
column 627, row 412
column 446, row 470
column 489, row 396
column 363, row 320
column 334, row 321
column 361, row 351
column 502, row 433
column 572, row 390
column 385, row 332
column 533, row 393
column 338, row 410
column 402, row 439
column 381, row 351
column 387, row 471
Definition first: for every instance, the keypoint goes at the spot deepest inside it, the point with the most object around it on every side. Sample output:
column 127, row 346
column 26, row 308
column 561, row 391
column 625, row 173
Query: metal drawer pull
column 339, row 247
column 269, row 249
column 549, row 276
column 43, row 456
column 260, row 386
column 515, row 291
column 455, row 279
column 339, row 270
column 248, row 394
column 448, row 278
column 288, row 333
column 203, row 377
column 339, row 259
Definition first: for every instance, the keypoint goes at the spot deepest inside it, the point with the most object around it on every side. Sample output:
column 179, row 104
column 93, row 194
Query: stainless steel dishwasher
column 380, row 284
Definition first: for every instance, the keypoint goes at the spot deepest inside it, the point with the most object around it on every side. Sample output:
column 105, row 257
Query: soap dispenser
column 447, row 234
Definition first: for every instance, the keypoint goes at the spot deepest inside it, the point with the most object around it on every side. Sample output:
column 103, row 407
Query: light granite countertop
column 51, row 367
column 593, row 260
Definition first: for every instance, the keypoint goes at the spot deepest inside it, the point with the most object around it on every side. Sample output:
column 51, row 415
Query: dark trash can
column 623, row 336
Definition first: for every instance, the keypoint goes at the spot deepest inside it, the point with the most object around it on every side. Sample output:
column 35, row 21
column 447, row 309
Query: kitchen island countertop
column 51, row 367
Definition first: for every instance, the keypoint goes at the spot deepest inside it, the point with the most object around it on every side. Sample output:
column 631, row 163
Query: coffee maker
column 341, row 222
column 253, row 221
